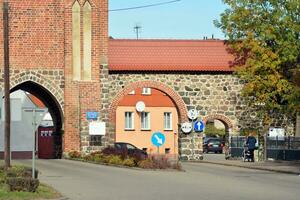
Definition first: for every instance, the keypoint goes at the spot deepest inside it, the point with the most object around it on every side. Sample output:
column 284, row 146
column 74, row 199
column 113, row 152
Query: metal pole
column 193, row 141
column 33, row 146
column 6, row 86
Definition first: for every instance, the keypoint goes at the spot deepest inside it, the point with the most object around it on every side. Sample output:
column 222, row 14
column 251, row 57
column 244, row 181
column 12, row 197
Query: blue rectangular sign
column 92, row 115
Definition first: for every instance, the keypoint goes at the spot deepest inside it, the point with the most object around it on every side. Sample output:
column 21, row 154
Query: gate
column 45, row 143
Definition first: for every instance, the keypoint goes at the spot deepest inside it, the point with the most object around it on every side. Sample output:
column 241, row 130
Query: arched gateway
column 70, row 63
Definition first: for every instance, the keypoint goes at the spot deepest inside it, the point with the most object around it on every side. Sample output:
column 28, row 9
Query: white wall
column 22, row 136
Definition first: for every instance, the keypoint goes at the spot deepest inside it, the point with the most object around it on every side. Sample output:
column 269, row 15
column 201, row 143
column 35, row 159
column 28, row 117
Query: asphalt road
column 83, row 181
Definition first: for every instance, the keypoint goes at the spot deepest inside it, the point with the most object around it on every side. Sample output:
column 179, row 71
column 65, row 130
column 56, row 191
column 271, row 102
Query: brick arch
column 180, row 105
column 41, row 80
column 227, row 122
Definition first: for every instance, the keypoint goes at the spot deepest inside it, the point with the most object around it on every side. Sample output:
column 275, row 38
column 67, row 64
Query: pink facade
column 162, row 119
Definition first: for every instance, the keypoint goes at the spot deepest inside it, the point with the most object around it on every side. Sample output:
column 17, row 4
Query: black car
column 130, row 149
column 213, row 145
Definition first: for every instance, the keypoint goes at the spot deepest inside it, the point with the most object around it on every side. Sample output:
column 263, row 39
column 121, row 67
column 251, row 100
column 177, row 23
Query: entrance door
column 45, row 142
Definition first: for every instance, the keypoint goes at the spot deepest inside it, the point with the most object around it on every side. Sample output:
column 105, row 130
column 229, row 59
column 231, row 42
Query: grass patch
column 43, row 192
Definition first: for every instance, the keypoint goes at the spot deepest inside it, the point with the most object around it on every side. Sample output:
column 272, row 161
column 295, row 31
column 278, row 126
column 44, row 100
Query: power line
column 144, row 6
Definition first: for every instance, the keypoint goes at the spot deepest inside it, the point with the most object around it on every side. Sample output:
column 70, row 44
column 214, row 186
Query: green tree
column 264, row 36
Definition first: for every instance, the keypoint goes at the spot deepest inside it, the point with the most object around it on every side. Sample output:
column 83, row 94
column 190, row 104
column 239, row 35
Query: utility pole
column 137, row 30
column 6, row 86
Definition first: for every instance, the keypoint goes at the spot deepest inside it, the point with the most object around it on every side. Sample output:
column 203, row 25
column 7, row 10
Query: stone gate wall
column 211, row 94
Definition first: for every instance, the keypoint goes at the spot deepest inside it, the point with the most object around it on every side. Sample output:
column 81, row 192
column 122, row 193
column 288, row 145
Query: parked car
column 130, row 149
column 213, row 145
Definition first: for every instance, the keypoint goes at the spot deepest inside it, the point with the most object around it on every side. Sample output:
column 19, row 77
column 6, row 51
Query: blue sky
column 186, row 19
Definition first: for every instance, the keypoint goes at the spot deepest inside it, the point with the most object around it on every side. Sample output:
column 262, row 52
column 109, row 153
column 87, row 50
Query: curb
column 248, row 167
column 124, row 167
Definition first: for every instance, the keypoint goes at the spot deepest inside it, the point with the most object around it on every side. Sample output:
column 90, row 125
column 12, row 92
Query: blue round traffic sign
column 158, row 139
column 199, row 126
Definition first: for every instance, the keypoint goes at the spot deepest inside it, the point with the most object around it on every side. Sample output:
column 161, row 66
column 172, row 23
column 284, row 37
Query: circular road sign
column 199, row 126
column 158, row 139
column 186, row 127
column 193, row 114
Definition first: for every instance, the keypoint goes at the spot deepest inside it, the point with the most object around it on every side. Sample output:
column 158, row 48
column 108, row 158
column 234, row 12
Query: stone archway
column 51, row 96
column 222, row 118
column 38, row 78
column 181, row 115
column 181, row 107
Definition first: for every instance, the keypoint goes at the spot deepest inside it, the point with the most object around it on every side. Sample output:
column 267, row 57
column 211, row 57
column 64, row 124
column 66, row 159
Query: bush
column 20, row 171
column 160, row 162
column 115, row 152
column 99, row 158
column 75, row 154
column 22, row 184
column 129, row 162
column 146, row 164
column 88, row 158
column 115, row 160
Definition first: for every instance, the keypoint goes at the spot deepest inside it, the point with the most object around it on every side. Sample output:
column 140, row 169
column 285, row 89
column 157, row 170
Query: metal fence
column 283, row 148
column 278, row 148
column 236, row 145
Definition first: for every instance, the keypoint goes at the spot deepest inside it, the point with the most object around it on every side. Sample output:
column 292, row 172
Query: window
column 82, row 23
column 168, row 121
column 87, row 41
column 129, row 146
column 167, row 150
column 76, row 40
column 132, row 92
column 145, row 121
column 129, row 120
column 95, row 140
column 146, row 91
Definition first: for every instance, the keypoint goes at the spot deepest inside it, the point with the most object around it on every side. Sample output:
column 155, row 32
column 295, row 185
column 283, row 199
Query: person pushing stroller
column 250, row 142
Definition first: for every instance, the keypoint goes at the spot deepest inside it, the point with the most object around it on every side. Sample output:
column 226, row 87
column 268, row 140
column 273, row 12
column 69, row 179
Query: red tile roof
column 36, row 101
column 168, row 55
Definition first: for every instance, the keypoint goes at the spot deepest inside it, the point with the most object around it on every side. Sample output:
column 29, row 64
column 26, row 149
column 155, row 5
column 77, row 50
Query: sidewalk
column 292, row 167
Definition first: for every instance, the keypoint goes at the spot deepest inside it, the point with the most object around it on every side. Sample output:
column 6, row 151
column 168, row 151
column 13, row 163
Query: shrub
column 160, row 162
column 88, row 157
column 146, row 164
column 96, row 153
column 20, row 171
column 99, row 158
column 75, row 154
column 129, row 162
column 115, row 152
column 115, row 160
column 22, row 184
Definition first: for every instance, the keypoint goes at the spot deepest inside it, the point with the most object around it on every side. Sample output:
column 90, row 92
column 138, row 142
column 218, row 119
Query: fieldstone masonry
column 41, row 53
column 51, row 80
column 216, row 96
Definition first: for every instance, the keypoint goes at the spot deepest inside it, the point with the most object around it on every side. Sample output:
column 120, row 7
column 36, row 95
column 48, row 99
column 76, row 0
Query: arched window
column 82, row 71
column 87, row 41
column 76, row 41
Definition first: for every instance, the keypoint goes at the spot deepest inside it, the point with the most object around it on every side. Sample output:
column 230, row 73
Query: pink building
column 159, row 115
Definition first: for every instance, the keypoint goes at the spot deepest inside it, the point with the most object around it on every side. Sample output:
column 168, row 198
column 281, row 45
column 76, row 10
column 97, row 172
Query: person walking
column 251, row 141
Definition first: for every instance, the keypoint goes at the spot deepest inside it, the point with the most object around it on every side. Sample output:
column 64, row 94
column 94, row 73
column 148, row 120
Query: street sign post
column 158, row 139
column 35, row 123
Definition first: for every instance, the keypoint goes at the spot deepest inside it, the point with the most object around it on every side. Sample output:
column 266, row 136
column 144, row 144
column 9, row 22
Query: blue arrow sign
column 158, row 139
column 199, row 126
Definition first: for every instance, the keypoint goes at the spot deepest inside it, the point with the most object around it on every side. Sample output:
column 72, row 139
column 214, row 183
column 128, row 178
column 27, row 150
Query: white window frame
column 132, row 121
column 143, row 124
column 132, row 92
column 146, row 91
column 165, row 122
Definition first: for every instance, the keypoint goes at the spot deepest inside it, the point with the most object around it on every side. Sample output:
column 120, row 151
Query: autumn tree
column 264, row 36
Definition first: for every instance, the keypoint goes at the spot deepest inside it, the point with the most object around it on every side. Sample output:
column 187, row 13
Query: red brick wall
column 36, row 34
column 83, row 96
column 41, row 38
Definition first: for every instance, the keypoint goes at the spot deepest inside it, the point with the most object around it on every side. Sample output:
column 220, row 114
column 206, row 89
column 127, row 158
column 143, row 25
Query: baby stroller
column 246, row 155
